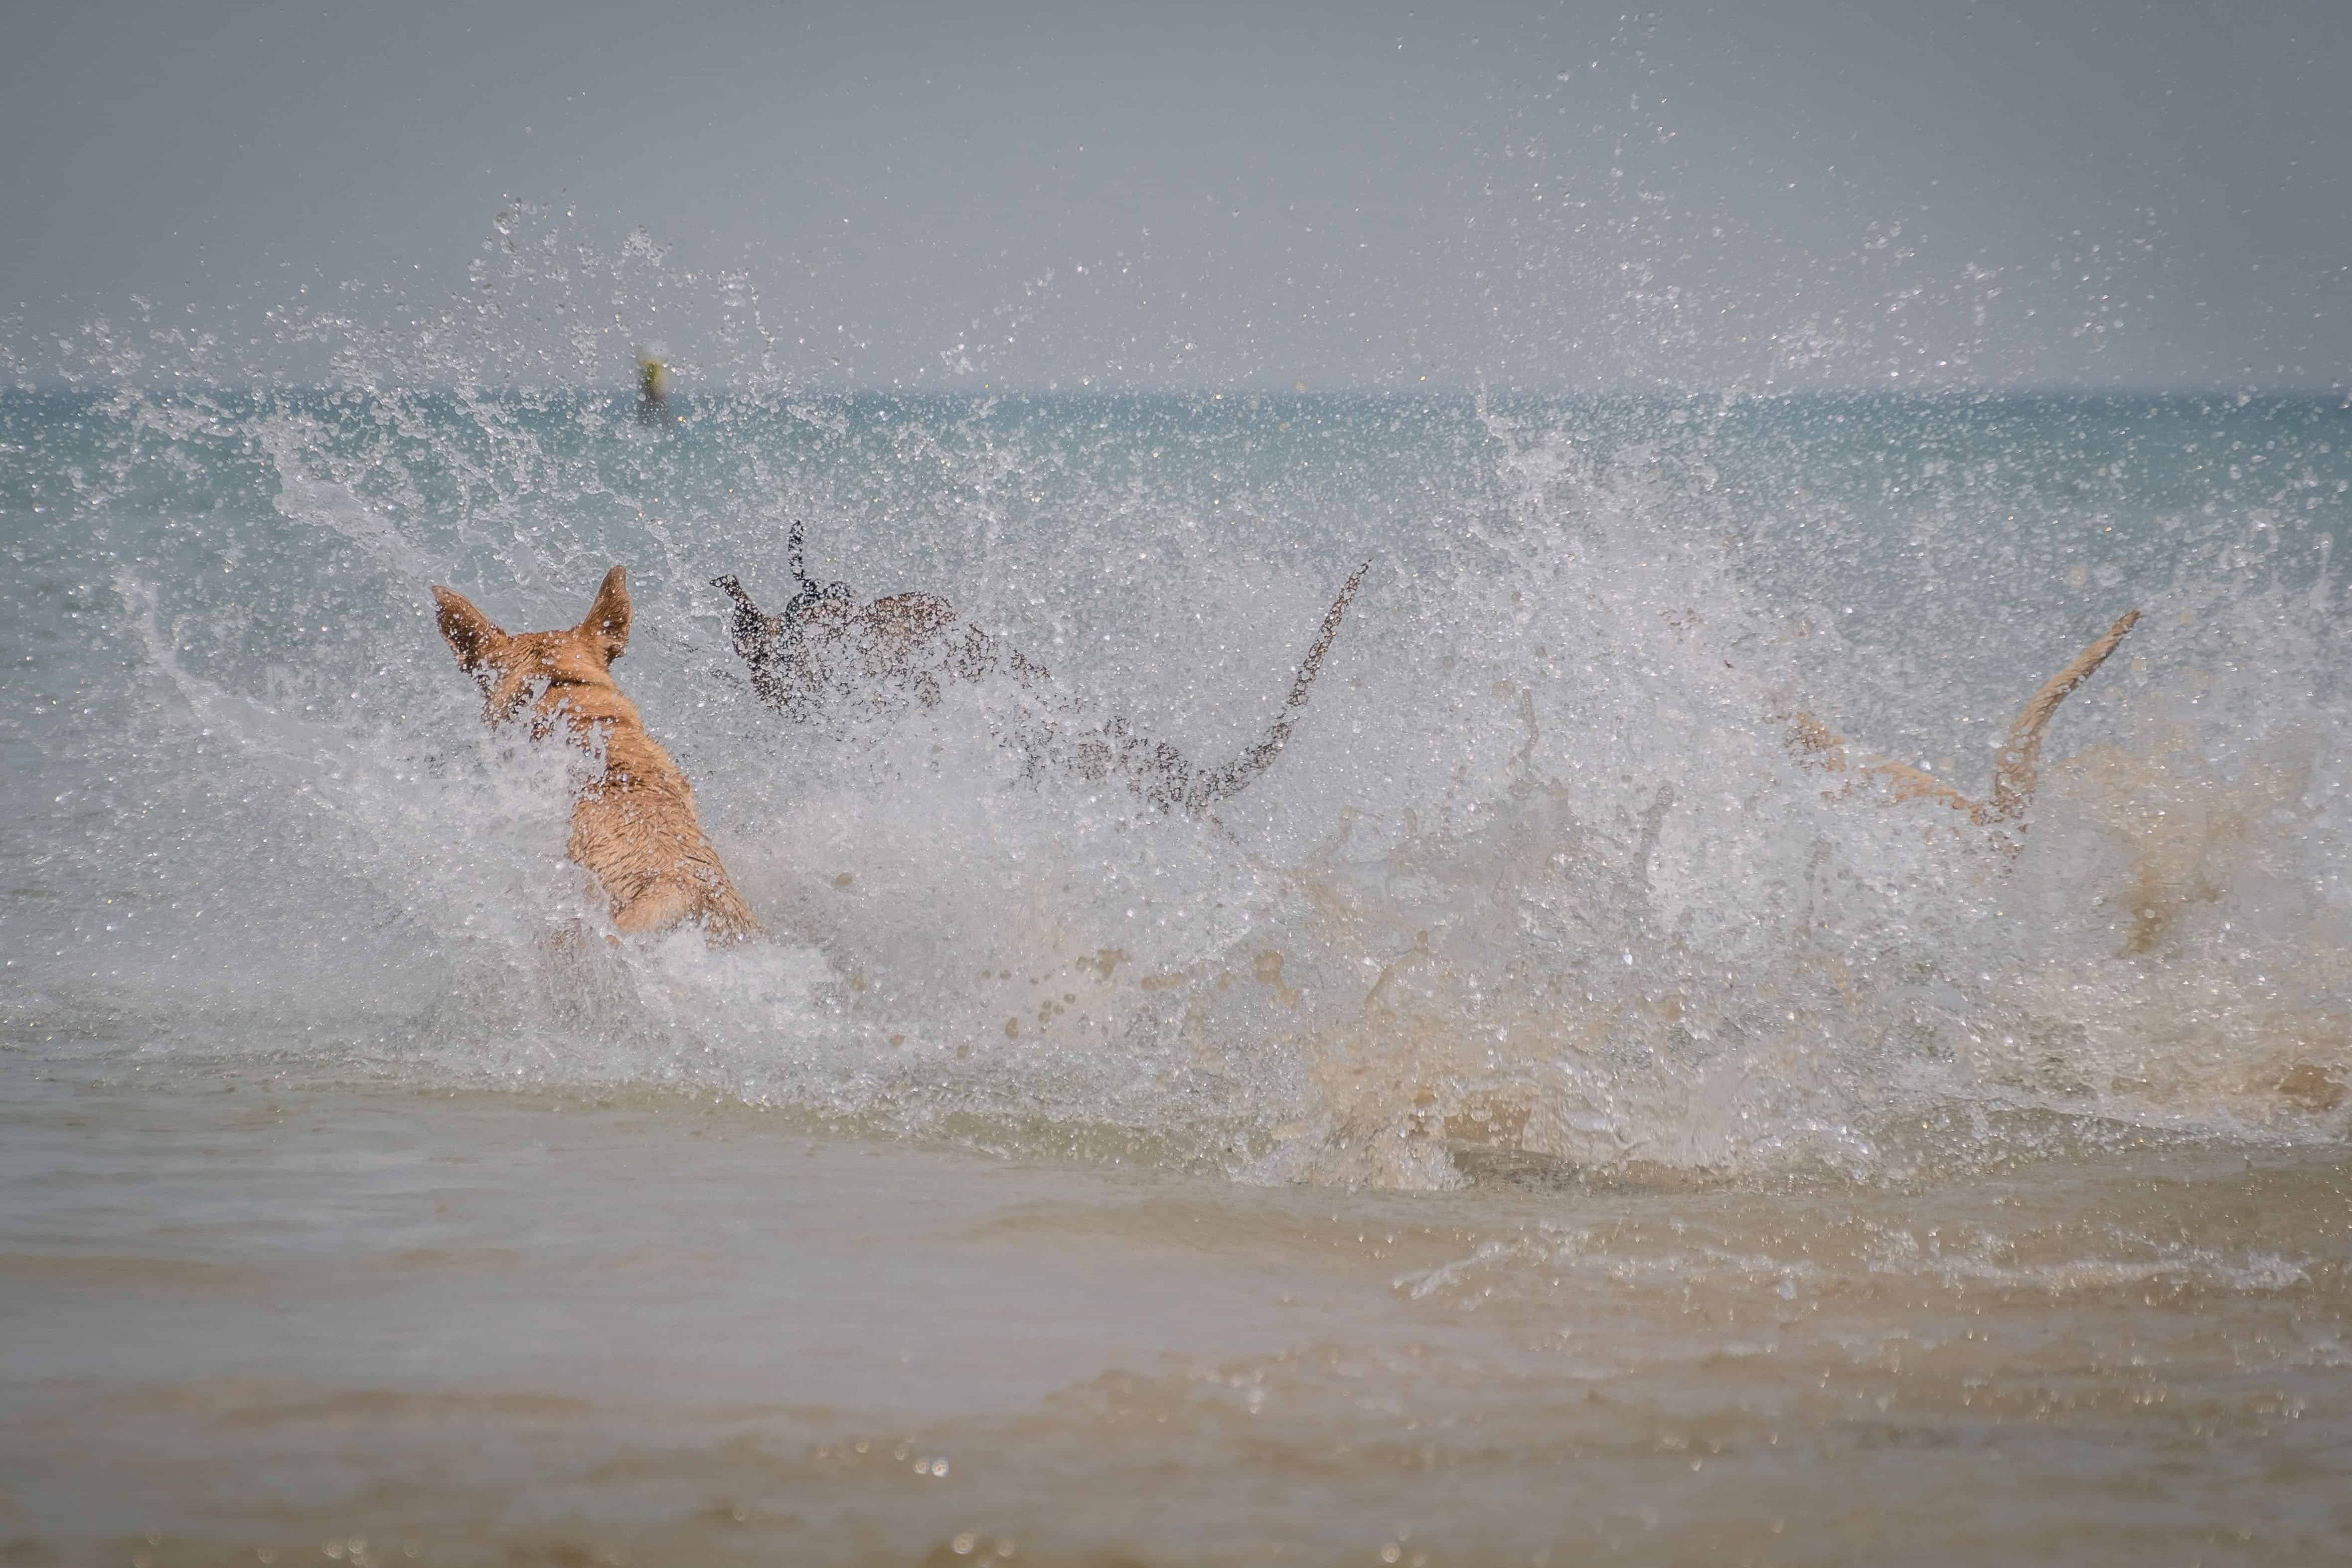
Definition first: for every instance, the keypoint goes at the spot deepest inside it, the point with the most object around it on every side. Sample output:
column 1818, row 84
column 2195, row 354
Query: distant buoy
column 653, row 386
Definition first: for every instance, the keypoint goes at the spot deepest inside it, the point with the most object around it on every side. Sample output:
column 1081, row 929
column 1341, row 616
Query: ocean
column 1541, row 1120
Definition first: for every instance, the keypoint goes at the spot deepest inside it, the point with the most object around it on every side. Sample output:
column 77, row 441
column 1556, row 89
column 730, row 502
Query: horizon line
column 1217, row 392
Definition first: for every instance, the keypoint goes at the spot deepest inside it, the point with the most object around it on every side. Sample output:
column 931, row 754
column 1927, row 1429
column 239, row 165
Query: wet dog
column 826, row 647
column 2017, row 769
column 633, row 826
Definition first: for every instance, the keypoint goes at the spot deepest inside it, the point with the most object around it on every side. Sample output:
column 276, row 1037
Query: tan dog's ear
column 608, row 618
column 469, row 633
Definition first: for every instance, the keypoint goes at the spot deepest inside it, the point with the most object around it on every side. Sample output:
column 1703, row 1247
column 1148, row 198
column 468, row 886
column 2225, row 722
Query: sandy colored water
column 243, row 1320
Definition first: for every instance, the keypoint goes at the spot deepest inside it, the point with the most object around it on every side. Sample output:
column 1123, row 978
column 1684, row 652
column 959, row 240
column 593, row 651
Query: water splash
column 1537, row 886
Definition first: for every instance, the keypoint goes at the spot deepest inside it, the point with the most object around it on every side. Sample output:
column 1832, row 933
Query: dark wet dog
column 825, row 648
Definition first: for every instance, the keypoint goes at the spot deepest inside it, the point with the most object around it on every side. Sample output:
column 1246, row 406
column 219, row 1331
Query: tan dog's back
column 634, row 827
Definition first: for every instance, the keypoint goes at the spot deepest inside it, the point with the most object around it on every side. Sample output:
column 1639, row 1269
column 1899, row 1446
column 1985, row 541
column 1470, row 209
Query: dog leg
column 2016, row 769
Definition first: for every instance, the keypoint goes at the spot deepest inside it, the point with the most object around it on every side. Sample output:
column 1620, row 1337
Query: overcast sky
column 1761, row 195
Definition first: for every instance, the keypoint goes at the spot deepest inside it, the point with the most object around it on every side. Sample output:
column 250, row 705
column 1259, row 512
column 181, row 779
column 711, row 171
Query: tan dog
column 2016, row 771
column 634, row 827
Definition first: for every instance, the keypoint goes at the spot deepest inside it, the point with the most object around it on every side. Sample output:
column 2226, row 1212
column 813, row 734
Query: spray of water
column 1538, row 882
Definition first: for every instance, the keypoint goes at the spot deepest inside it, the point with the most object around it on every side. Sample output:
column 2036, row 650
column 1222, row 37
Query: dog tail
column 2016, row 769
column 1196, row 789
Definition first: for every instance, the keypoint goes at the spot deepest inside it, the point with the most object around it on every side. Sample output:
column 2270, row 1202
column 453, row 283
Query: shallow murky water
column 244, row 1316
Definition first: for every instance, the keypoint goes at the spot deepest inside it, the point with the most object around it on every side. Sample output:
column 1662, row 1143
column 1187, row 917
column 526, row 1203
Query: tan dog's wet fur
column 633, row 826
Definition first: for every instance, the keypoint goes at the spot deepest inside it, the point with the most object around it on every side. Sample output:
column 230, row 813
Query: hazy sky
column 1775, row 193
